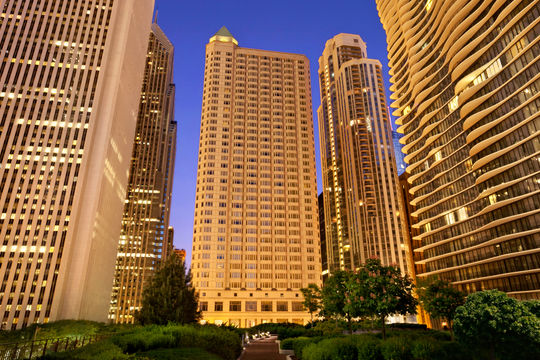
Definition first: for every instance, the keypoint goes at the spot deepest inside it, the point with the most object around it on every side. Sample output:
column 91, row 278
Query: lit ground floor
column 244, row 308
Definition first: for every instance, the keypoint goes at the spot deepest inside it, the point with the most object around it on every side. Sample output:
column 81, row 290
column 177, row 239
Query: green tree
column 502, row 326
column 312, row 299
column 384, row 291
column 169, row 296
column 335, row 295
column 440, row 300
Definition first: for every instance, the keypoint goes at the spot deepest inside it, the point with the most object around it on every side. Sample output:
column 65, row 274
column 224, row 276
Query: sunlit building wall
column 465, row 82
column 360, row 181
column 70, row 82
column 144, row 239
column 256, row 236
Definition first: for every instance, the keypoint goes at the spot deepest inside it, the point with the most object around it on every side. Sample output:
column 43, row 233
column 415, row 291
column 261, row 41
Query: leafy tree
column 169, row 296
column 440, row 300
column 533, row 306
column 504, row 327
column 335, row 295
column 312, row 299
column 385, row 291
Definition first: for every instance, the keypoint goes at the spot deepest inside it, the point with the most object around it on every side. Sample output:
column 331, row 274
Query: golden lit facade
column 360, row 182
column 67, row 120
column 465, row 82
column 256, row 236
column 145, row 225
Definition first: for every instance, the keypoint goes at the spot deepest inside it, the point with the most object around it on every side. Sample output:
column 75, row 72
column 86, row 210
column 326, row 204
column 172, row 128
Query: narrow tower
column 145, row 225
column 69, row 89
column 361, row 198
column 256, row 237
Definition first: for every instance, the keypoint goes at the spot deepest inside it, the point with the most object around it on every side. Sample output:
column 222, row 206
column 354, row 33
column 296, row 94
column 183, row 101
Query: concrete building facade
column 70, row 84
column 144, row 239
column 465, row 82
column 256, row 236
column 360, row 181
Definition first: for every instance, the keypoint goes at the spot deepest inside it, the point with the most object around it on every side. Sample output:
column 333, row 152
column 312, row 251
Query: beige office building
column 144, row 240
column 70, row 84
column 256, row 237
column 360, row 182
column 466, row 87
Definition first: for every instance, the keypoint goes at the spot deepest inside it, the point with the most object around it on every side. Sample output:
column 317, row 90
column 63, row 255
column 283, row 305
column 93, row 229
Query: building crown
column 224, row 35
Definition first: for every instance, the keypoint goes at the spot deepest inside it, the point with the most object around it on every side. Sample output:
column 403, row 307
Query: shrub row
column 223, row 343
column 370, row 347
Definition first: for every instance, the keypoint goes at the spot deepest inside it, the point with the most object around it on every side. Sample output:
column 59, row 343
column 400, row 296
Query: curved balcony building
column 465, row 80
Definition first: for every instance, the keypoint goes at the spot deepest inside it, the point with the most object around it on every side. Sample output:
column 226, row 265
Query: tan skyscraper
column 256, row 238
column 145, row 226
column 70, row 83
column 466, row 87
column 360, row 182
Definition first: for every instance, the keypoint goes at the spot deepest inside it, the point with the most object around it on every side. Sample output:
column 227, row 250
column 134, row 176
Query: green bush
column 223, row 343
column 178, row 354
column 396, row 348
column 329, row 328
column 316, row 352
column 298, row 344
column 368, row 347
column 102, row 350
column 425, row 349
column 329, row 349
column 59, row 329
column 408, row 326
column 451, row 350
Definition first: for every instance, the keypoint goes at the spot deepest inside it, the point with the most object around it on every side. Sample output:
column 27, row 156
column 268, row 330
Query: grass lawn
column 178, row 354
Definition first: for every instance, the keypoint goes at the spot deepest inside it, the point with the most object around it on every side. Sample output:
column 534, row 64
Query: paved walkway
column 266, row 349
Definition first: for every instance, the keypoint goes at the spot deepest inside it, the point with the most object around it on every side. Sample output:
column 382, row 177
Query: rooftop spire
column 223, row 35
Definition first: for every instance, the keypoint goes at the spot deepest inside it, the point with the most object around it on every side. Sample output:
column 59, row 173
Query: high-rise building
column 256, row 236
column 360, row 181
column 322, row 227
column 70, row 83
column 144, row 239
column 400, row 157
column 465, row 82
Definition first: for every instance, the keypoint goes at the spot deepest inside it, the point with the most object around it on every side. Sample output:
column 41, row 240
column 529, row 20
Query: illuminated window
column 453, row 104
column 251, row 306
column 450, row 218
column 492, row 199
column 462, row 214
column 407, row 110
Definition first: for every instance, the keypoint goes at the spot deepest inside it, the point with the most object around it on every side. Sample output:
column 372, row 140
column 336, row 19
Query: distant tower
column 256, row 236
column 360, row 181
column 322, row 232
column 69, row 89
column 145, row 226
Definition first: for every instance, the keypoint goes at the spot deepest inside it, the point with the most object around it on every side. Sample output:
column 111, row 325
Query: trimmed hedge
column 370, row 347
column 224, row 343
column 284, row 330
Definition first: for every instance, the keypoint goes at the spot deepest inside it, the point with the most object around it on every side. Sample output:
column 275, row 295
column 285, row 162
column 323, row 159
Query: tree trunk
column 311, row 314
column 492, row 352
column 383, row 318
column 451, row 328
column 350, row 323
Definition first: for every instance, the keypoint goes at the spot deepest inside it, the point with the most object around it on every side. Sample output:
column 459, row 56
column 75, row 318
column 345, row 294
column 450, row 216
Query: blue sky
column 297, row 26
